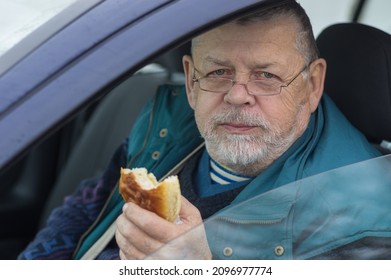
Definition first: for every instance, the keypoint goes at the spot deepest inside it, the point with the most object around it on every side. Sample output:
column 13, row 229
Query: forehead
column 272, row 40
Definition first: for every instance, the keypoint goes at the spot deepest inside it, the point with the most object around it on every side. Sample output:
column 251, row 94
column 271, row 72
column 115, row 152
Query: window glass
column 326, row 12
column 377, row 13
column 319, row 211
column 18, row 18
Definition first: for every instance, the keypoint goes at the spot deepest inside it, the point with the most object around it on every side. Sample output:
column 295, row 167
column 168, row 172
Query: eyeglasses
column 259, row 87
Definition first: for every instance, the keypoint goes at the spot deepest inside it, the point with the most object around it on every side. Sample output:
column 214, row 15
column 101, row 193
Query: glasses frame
column 233, row 82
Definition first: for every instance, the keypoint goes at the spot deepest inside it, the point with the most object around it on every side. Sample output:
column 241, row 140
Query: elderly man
column 255, row 90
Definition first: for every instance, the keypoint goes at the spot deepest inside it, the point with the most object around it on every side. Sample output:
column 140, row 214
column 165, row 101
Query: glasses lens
column 263, row 87
column 215, row 84
column 257, row 87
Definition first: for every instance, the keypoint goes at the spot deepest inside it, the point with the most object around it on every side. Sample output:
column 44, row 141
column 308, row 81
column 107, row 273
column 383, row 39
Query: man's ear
column 188, row 67
column 316, row 80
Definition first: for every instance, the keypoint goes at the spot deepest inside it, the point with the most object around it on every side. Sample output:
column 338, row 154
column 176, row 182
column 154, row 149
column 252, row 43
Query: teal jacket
column 269, row 218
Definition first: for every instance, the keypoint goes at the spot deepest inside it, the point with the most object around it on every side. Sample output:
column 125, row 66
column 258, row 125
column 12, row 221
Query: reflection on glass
column 339, row 214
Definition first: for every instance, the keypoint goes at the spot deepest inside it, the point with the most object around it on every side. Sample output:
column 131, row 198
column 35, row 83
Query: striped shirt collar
column 222, row 175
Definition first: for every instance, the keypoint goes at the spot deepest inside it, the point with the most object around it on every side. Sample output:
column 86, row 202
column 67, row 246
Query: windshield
column 343, row 213
column 18, row 18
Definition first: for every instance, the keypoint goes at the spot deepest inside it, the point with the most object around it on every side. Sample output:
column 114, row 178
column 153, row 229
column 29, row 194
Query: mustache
column 234, row 115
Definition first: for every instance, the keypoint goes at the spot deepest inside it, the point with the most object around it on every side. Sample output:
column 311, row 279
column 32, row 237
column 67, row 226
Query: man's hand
column 142, row 234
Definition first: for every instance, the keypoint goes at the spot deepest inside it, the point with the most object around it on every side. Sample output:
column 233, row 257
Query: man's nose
column 239, row 95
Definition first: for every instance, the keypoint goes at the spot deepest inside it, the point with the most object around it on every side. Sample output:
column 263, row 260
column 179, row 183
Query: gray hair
column 305, row 40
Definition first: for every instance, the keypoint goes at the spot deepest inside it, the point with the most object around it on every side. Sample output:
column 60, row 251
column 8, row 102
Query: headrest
column 172, row 60
column 358, row 76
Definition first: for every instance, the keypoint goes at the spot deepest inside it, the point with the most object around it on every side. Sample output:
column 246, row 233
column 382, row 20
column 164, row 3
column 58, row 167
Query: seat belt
column 109, row 234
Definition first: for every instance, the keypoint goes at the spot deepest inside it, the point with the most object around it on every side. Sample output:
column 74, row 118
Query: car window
column 304, row 219
column 377, row 13
column 324, row 12
column 18, row 18
column 327, row 12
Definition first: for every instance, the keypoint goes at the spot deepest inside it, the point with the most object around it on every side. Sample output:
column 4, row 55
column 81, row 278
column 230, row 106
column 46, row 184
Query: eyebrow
column 220, row 62
column 217, row 61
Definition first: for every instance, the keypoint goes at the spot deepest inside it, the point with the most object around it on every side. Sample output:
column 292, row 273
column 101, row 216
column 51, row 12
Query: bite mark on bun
column 139, row 186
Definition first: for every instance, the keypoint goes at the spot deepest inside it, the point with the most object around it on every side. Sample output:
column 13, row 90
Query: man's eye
column 219, row 72
column 267, row 75
column 264, row 76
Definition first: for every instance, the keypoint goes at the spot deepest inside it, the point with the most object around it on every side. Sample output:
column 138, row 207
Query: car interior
column 358, row 59
column 80, row 150
column 358, row 72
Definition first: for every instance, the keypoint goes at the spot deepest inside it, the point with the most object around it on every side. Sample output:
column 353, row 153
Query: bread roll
column 138, row 186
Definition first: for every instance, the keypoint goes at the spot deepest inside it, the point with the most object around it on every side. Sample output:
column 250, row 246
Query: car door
column 68, row 65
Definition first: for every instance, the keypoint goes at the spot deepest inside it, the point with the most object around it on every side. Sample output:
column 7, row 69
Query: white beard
column 246, row 154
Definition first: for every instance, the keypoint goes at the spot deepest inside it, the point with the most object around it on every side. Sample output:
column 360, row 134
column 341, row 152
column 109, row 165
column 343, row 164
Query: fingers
column 127, row 250
column 141, row 233
column 151, row 224
column 133, row 241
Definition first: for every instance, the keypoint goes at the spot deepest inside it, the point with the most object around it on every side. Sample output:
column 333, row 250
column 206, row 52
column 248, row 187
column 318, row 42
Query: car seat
column 358, row 77
column 109, row 124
